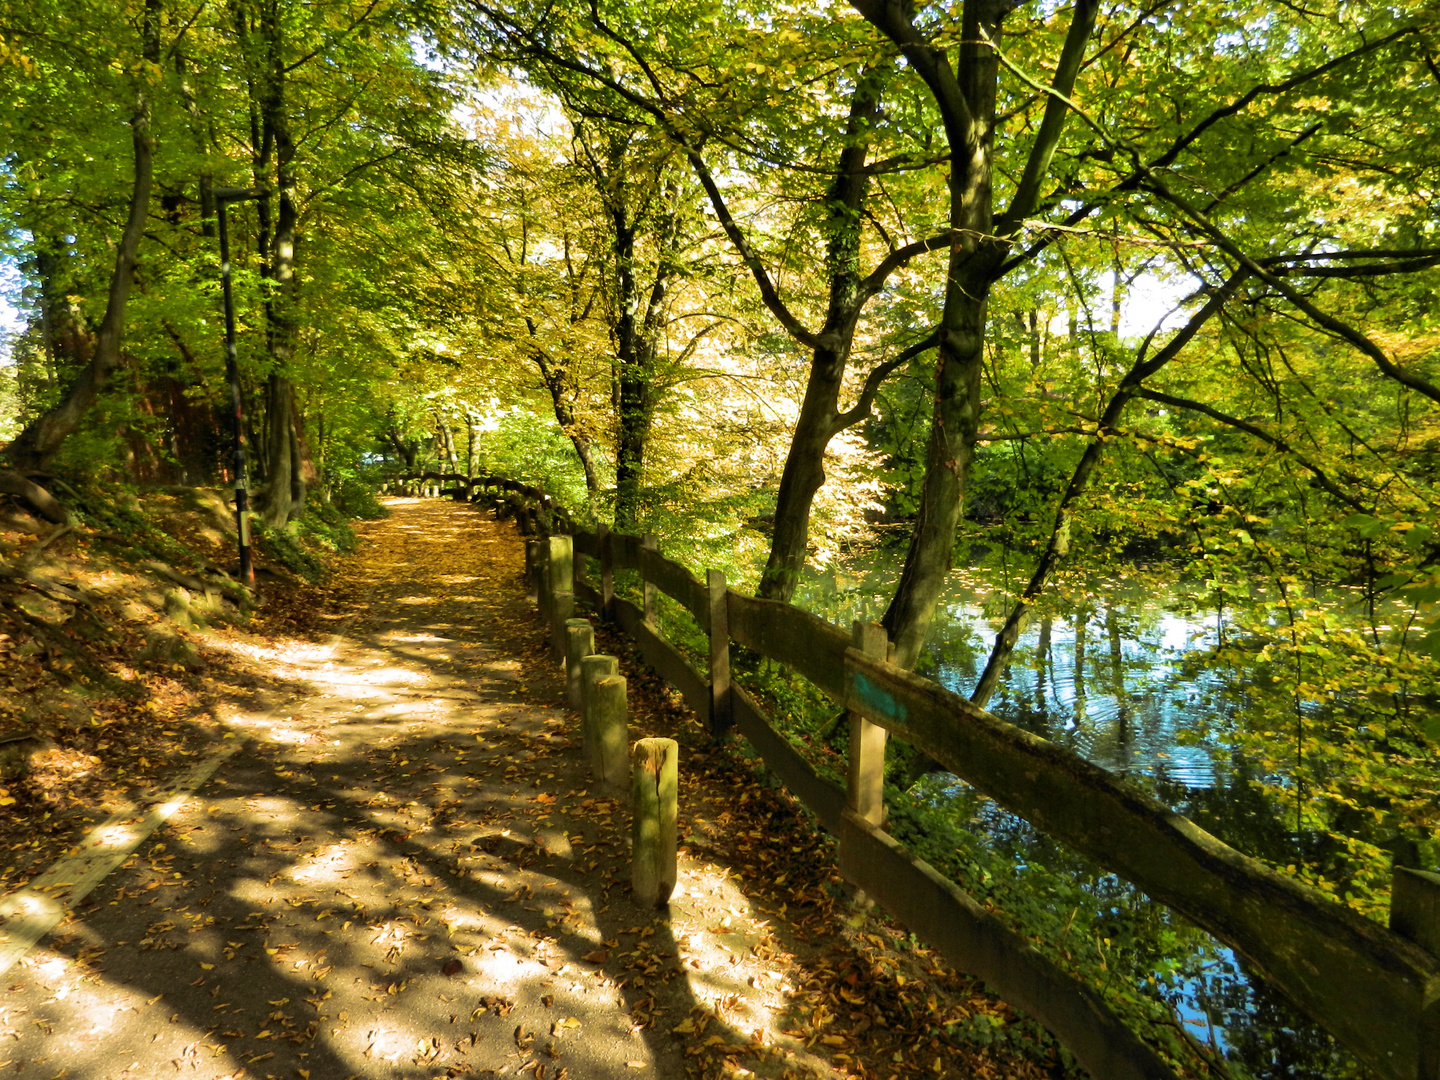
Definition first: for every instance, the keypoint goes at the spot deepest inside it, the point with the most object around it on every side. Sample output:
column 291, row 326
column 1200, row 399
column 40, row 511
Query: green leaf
column 1368, row 527
column 1419, row 536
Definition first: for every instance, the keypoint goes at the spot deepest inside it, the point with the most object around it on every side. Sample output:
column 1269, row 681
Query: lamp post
column 232, row 375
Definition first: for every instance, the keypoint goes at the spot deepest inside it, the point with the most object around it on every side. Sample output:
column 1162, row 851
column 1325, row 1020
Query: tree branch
column 1243, row 102
column 1052, row 124
column 1259, row 433
column 1059, row 544
column 878, row 374
column 875, row 280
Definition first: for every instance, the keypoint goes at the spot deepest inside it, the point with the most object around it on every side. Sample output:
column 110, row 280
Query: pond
column 1118, row 675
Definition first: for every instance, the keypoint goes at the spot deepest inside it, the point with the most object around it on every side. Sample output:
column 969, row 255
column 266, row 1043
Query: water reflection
column 1108, row 680
column 1115, row 678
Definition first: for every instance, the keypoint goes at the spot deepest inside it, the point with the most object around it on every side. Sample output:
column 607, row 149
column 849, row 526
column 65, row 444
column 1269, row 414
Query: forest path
column 378, row 883
column 400, row 871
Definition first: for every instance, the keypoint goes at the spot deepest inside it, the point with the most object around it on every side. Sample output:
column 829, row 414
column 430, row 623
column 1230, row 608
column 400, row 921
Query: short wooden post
column 534, row 563
column 592, row 669
column 579, row 643
column 655, row 777
column 866, row 789
column 611, row 731
column 1415, row 907
column 582, row 567
column 719, row 655
column 607, row 573
column 562, row 598
column 649, row 542
column 562, row 561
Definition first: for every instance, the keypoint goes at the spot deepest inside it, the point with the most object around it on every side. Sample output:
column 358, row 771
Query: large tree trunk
column 966, row 99
column 280, row 463
column 41, row 439
column 634, row 369
column 451, row 460
column 285, row 489
column 405, row 451
column 804, row 471
column 969, row 274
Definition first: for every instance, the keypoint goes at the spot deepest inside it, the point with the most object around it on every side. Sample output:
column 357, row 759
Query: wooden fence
column 1375, row 988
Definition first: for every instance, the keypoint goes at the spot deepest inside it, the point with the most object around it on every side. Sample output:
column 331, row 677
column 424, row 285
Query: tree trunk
column 37, row 444
column 804, row 471
column 447, row 444
column 966, row 98
column 403, row 450
column 969, row 275
column 634, row 372
column 280, row 464
column 285, row 490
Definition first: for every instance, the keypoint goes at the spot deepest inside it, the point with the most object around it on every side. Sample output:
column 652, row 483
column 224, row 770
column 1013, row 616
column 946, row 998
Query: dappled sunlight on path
column 403, row 872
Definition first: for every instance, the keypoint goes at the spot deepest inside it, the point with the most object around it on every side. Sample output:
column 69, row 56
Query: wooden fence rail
column 1376, row 989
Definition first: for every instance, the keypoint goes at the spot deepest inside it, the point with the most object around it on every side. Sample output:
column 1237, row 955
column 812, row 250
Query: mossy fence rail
column 1375, row 988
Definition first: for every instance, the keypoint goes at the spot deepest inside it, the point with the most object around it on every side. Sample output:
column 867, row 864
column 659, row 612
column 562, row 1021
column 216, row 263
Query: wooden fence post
column 534, row 570
column 1415, row 907
column 655, row 785
column 650, row 542
column 720, row 714
column 562, row 597
column 579, row 643
column 592, row 668
column 1415, row 914
column 607, row 573
column 582, row 569
column 866, row 789
column 611, row 731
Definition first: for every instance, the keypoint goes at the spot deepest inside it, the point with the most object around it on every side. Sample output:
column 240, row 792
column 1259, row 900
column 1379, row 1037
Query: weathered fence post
column 592, row 669
column 1415, row 907
column 719, row 655
column 655, row 785
column 535, row 572
column 610, row 729
column 866, row 789
column 649, row 542
column 582, row 574
column 607, row 572
column 562, row 596
column 579, row 643
column 1415, row 914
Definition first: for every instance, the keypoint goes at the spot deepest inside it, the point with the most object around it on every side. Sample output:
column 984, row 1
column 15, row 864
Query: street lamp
column 232, row 375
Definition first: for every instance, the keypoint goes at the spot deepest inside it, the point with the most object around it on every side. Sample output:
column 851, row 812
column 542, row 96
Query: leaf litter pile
column 406, row 872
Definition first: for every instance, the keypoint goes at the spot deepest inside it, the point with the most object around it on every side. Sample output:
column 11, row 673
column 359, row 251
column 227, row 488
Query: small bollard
column 610, row 730
column 535, row 573
column 655, row 783
column 593, row 667
column 579, row 643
